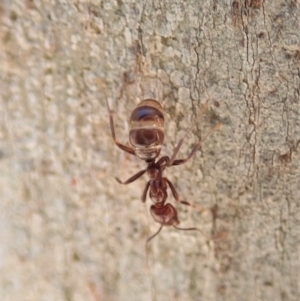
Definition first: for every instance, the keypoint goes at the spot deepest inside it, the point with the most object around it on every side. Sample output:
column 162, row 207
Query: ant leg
column 144, row 195
column 133, row 178
column 175, row 194
column 209, row 238
column 175, row 152
column 176, row 197
column 173, row 162
column 123, row 147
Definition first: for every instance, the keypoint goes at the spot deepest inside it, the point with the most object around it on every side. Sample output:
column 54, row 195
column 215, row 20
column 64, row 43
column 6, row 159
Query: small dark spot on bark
column 214, row 211
column 222, row 289
column 171, row 111
column 283, row 296
column 255, row 4
column 129, row 77
column 242, row 42
column 213, row 117
column 288, row 56
column 168, row 41
column 235, row 5
column 94, row 11
column 48, row 71
column 278, row 17
column 216, row 103
column 76, row 257
column 293, row 4
column 261, row 35
column 13, row 16
column 235, row 12
column 137, row 48
column 92, row 28
column 285, row 158
column 30, row 4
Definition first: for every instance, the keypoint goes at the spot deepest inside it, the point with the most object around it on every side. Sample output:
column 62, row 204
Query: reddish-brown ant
column 146, row 137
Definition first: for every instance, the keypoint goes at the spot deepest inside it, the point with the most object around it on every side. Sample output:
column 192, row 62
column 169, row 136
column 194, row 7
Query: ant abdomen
column 147, row 129
column 166, row 215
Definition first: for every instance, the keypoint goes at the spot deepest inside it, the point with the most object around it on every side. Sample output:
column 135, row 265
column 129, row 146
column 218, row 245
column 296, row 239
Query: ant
column 146, row 137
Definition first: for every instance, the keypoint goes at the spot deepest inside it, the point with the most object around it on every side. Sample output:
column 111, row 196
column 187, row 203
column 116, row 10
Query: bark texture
column 69, row 231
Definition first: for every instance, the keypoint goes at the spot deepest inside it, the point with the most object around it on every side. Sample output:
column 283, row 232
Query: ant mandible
column 146, row 137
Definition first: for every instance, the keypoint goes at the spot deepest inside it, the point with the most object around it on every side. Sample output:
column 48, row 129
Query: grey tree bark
column 69, row 231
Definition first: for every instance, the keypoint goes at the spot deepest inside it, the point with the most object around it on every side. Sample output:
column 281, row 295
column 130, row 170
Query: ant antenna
column 196, row 148
column 193, row 229
column 152, row 236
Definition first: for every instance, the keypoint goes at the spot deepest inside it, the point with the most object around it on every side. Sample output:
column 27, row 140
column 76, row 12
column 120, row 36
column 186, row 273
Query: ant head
column 147, row 129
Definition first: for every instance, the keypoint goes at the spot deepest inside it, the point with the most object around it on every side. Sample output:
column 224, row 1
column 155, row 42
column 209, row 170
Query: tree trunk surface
column 69, row 231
